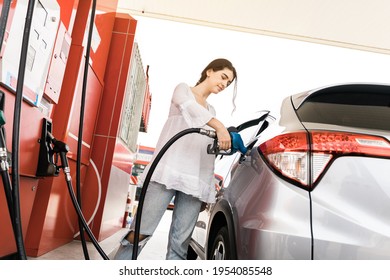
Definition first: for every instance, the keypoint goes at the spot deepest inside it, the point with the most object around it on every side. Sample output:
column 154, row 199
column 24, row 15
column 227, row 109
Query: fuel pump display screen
column 44, row 27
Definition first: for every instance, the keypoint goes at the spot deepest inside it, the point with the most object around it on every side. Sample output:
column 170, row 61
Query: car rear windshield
column 355, row 106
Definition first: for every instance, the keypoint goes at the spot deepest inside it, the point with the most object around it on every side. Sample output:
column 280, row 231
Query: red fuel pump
column 51, row 101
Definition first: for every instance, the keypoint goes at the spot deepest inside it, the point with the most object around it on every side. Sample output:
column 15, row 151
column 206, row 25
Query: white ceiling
column 356, row 24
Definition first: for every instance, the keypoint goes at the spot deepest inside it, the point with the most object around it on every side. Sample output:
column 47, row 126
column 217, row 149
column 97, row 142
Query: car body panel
column 260, row 204
column 351, row 210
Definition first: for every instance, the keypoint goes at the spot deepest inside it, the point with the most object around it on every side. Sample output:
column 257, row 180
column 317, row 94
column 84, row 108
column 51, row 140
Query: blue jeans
column 184, row 217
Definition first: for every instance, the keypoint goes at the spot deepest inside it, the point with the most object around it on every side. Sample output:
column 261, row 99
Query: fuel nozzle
column 62, row 149
column 59, row 146
column 209, row 133
column 237, row 145
column 49, row 150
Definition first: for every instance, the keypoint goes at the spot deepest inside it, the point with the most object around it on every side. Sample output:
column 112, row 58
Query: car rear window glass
column 360, row 109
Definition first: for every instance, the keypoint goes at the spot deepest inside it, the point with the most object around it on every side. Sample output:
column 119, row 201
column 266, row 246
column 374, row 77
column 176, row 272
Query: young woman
column 186, row 171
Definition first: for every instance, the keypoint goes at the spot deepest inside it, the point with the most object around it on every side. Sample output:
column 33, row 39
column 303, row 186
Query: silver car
column 314, row 185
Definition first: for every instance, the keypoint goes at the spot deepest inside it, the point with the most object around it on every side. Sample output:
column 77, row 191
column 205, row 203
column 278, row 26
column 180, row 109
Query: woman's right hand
column 224, row 140
column 223, row 135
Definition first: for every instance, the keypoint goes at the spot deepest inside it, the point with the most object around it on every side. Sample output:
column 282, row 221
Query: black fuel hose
column 145, row 185
column 83, row 221
column 16, row 132
column 4, row 170
column 8, row 193
column 81, row 127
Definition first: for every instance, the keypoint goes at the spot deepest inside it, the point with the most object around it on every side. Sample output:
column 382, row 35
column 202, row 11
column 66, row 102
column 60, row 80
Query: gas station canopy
column 355, row 24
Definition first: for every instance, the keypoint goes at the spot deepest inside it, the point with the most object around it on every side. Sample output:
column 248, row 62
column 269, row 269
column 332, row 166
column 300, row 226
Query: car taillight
column 289, row 153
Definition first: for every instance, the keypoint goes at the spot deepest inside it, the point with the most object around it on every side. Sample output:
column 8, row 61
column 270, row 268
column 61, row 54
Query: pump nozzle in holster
column 60, row 148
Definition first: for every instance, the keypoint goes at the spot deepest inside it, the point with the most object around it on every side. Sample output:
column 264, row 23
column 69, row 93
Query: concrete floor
column 155, row 249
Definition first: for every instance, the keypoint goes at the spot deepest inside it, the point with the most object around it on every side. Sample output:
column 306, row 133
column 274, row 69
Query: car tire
column 220, row 249
column 191, row 254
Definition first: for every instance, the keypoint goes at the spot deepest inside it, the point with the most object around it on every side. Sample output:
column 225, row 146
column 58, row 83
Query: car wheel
column 191, row 254
column 220, row 249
